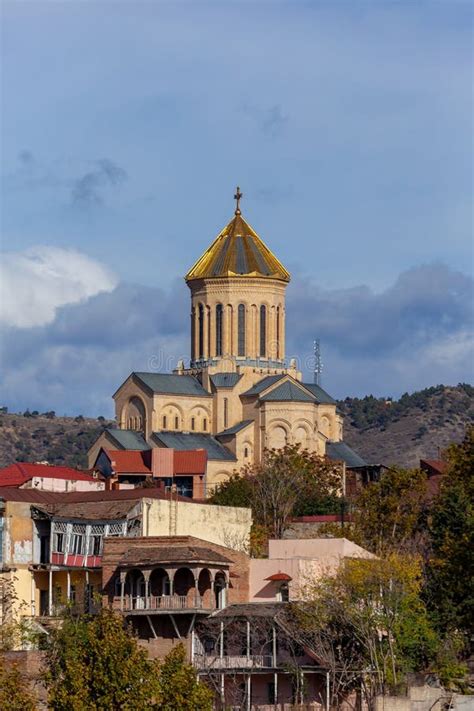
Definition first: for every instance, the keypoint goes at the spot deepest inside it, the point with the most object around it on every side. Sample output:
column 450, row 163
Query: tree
column 180, row 688
column 288, row 482
column 369, row 617
column 15, row 694
column 388, row 513
column 95, row 663
column 450, row 550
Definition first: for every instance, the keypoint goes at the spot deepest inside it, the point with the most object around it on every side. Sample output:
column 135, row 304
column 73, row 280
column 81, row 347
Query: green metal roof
column 127, row 439
column 288, row 392
column 263, row 384
column 172, row 384
column 322, row 397
column 341, row 452
column 236, row 428
column 225, row 380
column 195, row 440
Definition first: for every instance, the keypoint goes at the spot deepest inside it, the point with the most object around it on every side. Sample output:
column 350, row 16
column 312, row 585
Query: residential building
column 46, row 477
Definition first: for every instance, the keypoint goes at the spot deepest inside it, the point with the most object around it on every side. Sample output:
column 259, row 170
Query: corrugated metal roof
column 172, row 384
column 322, row 397
column 20, row 472
column 225, row 380
column 195, row 440
column 263, row 384
column 236, row 428
column 89, row 510
column 193, row 461
column 130, row 461
column 288, row 392
column 127, row 439
column 341, row 452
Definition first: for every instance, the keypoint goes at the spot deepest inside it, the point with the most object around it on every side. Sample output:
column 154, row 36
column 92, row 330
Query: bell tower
column 238, row 301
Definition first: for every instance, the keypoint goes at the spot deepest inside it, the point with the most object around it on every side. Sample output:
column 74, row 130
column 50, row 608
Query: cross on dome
column 237, row 197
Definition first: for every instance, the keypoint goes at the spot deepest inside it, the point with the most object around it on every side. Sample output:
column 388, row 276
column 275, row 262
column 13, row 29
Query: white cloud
column 36, row 282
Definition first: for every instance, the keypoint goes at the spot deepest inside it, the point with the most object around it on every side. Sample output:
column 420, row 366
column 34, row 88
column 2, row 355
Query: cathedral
column 238, row 396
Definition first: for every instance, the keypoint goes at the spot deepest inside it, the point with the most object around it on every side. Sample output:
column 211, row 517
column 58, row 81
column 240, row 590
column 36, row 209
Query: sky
column 126, row 127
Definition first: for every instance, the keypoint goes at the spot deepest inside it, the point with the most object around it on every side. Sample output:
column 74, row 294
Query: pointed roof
column 238, row 251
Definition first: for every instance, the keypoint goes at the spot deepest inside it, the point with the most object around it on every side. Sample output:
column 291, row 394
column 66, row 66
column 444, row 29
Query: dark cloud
column 87, row 190
column 413, row 334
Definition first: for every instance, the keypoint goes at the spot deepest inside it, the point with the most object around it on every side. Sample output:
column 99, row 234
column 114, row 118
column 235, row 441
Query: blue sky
column 127, row 125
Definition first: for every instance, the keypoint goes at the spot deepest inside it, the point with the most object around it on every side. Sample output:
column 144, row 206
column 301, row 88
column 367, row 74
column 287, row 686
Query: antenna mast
column 318, row 365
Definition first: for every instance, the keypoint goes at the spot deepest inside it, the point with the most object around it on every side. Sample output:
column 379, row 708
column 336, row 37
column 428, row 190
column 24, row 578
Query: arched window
column 201, row 331
column 193, row 423
column 226, row 412
column 263, row 331
column 204, row 424
column 219, row 312
column 164, row 422
column 193, row 333
column 241, row 331
column 278, row 332
column 176, row 423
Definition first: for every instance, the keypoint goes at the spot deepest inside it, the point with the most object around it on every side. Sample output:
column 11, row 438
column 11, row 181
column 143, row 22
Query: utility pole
column 318, row 365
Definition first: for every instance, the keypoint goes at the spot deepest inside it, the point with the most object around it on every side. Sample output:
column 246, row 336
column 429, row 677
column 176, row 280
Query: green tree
column 388, row 513
column 15, row 695
column 180, row 688
column 450, row 554
column 289, row 482
column 95, row 664
column 369, row 616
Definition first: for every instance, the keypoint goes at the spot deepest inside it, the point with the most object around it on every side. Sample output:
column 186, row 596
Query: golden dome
column 238, row 251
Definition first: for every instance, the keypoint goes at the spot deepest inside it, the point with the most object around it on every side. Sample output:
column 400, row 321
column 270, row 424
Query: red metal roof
column 21, row 472
column 435, row 466
column 279, row 577
column 130, row 461
column 192, row 461
column 127, row 461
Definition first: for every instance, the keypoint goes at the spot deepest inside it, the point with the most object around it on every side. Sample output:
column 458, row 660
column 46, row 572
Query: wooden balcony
column 165, row 604
column 252, row 661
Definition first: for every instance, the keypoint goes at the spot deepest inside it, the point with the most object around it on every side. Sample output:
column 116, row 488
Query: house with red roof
column 183, row 471
column 46, row 477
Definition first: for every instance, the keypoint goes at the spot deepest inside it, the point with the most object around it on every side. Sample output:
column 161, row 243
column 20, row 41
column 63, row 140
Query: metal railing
column 166, row 602
column 253, row 661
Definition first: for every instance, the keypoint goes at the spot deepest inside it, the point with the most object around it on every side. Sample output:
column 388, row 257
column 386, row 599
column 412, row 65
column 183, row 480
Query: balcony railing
column 253, row 661
column 166, row 602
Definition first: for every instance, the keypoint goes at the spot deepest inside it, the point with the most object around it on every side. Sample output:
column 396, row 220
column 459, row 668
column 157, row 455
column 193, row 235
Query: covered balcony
column 188, row 579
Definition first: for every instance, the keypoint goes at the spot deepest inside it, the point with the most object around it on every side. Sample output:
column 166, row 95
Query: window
column 219, row 329
column 278, row 332
column 284, row 593
column 241, row 331
column 59, row 542
column 226, row 412
column 246, row 452
column 193, row 423
column 72, row 593
column 164, row 422
column 193, row 333
column 77, row 544
column 204, row 424
column 176, row 423
column 201, row 331
column 263, row 331
column 95, row 545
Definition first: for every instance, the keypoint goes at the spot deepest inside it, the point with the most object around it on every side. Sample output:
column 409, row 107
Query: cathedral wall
column 133, row 402
column 290, row 423
column 329, row 422
column 228, row 294
column 182, row 413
